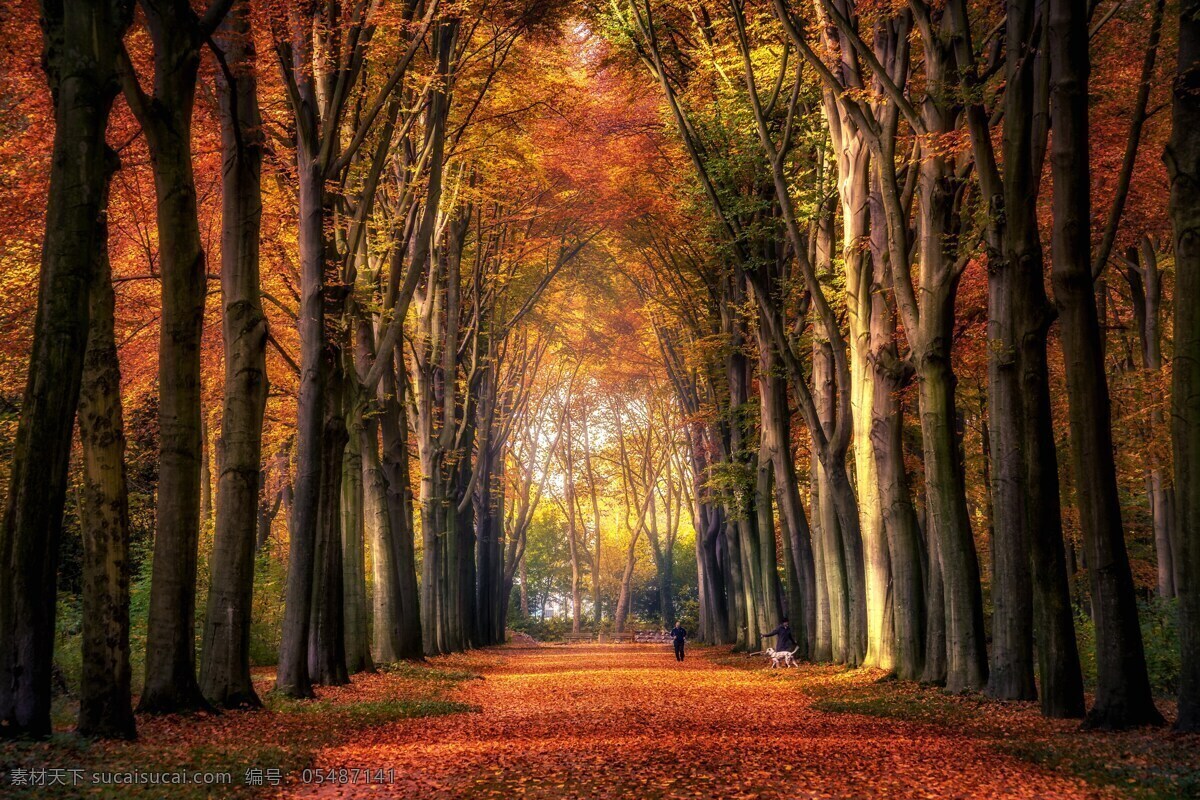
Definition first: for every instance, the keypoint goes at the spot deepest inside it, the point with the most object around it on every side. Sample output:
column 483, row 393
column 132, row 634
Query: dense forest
column 339, row 334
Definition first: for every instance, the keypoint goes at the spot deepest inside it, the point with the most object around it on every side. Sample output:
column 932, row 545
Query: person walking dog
column 784, row 637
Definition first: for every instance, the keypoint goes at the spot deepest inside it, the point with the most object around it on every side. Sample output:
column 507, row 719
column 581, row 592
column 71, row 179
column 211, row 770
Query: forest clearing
column 601, row 397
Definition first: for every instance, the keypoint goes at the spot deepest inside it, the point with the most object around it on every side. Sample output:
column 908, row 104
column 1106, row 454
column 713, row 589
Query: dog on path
column 781, row 657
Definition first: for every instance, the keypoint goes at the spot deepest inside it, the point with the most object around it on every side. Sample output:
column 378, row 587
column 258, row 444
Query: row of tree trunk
column 875, row 576
column 351, row 447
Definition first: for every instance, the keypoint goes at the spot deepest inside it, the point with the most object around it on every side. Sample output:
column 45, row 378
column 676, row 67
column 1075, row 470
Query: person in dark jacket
column 678, row 636
column 785, row 639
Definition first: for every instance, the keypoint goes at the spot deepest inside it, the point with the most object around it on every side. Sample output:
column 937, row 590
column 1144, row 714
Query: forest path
column 628, row 721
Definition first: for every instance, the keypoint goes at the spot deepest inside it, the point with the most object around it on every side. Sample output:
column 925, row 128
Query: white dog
column 781, row 657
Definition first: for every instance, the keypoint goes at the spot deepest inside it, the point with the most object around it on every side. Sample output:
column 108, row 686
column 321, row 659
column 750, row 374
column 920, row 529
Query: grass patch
column 367, row 713
column 285, row 736
column 927, row 707
column 383, row 711
column 407, row 669
column 1150, row 770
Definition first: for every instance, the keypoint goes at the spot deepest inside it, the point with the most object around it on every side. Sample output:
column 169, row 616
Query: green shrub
column 547, row 630
column 1160, row 636
column 68, row 643
column 266, row 624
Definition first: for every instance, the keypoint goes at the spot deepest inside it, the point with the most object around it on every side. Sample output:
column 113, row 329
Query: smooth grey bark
column 524, row 587
column 225, row 653
column 354, row 572
column 292, row 677
column 327, row 639
column 399, row 506
column 385, row 598
column 594, row 554
column 742, row 497
column 902, row 643
column 436, row 384
column 572, row 534
column 824, row 395
column 935, row 611
column 822, row 642
column 165, row 115
column 795, row 534
column 488, row 503
column 1024, row 451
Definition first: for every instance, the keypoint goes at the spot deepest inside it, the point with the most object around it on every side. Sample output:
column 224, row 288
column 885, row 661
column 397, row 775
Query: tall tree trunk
column 1011, row 675
column 823, row 637
column 292, row 677
column 730, row 554
column 863, row 540
column 354, row 570
column 1061, row 679
column 664, row 556
column 378, row 503
column 769, row 593
column 666, row 590
column 1183, row 166
column 714, row 623
column 1123, row 696
column 206, row 486
column 1145, row 288
column 467, row 576
column 177, row 33
column 1159, row 494
column 935, row 615
column 524, row 587
column 837, row 585
column 768, row 599
column 1027, row 520
column 80, row 43
column 385, row 600
column 437, row 378
column 623, row 593
column 573, row 535
column 399, row 500
column 500, row 580
column 105, row 705
column 868, row 587
column 432, row 555
column 327, row 642
column 485, row 595
column 597, row 608
column 774, row 450
column 902, row 647
column 225, row 656
column 716, row 630
column 796, row 534
column 742, row 522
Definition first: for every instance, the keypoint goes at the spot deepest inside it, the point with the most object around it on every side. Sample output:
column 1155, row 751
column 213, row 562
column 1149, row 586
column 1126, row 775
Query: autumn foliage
column 338, row 337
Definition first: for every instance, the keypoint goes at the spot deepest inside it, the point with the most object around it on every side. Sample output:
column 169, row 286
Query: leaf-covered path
column 628, row 721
